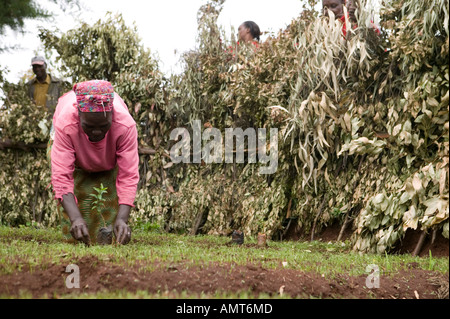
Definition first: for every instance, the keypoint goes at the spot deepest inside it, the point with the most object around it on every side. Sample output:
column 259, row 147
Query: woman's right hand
column 79, row 231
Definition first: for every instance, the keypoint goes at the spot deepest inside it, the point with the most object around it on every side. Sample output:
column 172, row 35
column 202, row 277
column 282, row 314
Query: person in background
column 94, row 143
column 249, row 32
column 44, row 89
column 335, row 6
column 353, row 6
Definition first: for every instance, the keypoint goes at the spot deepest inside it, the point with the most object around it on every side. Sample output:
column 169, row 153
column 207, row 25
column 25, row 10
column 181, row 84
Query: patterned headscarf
column 94, row 96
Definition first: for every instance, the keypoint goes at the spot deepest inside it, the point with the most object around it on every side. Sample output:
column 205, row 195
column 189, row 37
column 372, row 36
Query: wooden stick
column 419, row 245
column 26, row 147
column 21, row 145
column 347, row 216
column 283, row 235
column 197, row 221
column 344, row 227
column 146, row 151
column 325, row 199
column 433, row 236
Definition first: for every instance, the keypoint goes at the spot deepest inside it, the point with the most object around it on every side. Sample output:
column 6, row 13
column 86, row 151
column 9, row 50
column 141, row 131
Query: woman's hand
column 122, row 232
column 79, row 231
column 121, row 228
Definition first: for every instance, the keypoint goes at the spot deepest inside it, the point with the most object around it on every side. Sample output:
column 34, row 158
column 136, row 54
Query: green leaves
column 98, row 201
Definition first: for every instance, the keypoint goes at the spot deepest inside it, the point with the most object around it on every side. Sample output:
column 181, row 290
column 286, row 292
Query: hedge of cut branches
column 362, row 124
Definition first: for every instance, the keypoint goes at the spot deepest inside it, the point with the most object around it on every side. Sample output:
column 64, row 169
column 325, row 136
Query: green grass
column 41, row 247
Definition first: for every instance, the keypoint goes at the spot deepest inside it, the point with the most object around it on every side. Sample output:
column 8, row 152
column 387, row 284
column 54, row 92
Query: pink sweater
column 71, row 147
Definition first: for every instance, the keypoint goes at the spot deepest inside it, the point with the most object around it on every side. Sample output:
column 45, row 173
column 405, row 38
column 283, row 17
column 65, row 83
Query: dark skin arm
column 79, row 228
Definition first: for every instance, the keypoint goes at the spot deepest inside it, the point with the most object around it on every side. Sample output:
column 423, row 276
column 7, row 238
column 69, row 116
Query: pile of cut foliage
column 362, row 123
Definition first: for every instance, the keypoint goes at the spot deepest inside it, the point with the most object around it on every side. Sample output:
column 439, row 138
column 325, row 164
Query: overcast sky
column 165, row 27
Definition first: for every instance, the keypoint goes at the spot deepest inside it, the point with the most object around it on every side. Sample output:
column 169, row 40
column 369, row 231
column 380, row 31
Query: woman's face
column 336, row 6
column 244, row 33
column 96, row 124
column 351, row 7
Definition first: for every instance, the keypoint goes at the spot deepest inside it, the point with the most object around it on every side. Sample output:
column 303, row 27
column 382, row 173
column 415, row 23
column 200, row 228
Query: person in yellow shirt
column 44, row 89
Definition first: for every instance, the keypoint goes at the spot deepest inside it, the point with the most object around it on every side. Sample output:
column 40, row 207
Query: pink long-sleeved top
column 72, row 148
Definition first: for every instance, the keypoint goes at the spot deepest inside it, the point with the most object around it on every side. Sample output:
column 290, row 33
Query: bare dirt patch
column 98, row 275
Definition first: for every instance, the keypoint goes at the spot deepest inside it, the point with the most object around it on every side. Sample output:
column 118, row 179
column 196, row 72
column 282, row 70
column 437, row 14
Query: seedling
column 104, row 235
column 99, row 201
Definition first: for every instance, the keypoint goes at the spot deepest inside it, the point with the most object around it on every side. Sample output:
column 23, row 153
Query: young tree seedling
column 105, row 233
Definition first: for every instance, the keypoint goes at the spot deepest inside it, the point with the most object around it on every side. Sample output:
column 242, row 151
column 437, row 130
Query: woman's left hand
column 121, row 228
column 122, row 232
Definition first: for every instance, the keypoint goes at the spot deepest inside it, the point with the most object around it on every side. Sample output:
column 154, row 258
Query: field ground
column 159, row 265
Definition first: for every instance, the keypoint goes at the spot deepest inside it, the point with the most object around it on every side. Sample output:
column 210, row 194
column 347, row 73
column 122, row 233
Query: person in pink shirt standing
column 93, row 144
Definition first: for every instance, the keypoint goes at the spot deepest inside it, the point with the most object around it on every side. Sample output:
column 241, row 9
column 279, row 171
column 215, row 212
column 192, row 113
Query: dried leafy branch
column 363, row 124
